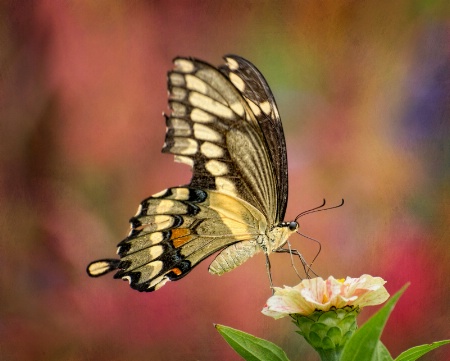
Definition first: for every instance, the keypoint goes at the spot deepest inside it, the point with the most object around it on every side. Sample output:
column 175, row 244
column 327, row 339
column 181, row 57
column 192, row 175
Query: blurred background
column 363, row 89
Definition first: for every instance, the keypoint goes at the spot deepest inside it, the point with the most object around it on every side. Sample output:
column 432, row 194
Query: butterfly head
column 279, row 235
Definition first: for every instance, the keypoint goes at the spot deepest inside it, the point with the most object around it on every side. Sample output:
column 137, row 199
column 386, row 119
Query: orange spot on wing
column 177, row 271
column 180, row 236
column 180, row 232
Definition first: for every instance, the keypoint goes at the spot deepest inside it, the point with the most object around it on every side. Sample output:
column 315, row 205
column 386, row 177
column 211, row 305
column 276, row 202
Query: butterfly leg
column 269, row 272
column 294, row 252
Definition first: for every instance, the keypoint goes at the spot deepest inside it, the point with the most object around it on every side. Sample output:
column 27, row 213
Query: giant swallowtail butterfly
column 224, row 123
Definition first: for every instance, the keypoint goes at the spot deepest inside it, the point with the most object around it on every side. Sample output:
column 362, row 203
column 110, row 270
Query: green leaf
column 364, row 343
column 251, row 348
column 415, row 352
column 382, row 353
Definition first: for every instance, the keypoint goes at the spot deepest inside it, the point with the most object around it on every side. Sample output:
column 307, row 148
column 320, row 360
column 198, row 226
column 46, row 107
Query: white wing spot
column 225, row 185
column 98, row 268
column 163, row 221
column 196, row 84
column 176, row 79
column 210, row 105
column 232, row 64
column 127, row 278
column 216, row 168
column 184, row 65
column 255, row 109
column 165, row 206
column 238, row 109
column 184, row 160
column 156, row 237
column 211, row 150
column 198, row 115
column 265, row 106
column 155, row 251
column 178, row 93
column 181, row 194
column 184, row 146
column 206, row 133
column 158, row 282
column 179, row 110
column 180, row 127
column 237, row 81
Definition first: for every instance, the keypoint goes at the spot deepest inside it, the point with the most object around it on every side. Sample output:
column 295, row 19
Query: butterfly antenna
column 318, row 209
column 310, row 210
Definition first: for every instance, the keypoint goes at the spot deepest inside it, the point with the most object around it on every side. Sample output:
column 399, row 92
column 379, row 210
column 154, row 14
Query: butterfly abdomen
column 233, row 256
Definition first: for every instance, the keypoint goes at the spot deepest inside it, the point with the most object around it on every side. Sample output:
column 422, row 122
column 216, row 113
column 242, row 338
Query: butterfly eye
column 293, row 226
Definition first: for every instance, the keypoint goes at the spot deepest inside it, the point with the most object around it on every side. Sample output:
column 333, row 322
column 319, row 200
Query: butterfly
column 224, row 123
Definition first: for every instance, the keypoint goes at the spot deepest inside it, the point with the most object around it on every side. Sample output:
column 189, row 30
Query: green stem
column 330, row 355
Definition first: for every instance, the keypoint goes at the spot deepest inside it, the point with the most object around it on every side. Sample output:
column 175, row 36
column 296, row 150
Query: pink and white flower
column 319, row 294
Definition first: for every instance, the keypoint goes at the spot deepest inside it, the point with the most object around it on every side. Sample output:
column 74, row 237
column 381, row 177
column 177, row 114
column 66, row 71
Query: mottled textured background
column 363, row 88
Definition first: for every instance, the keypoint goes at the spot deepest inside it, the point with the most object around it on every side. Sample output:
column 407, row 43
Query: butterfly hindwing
column 174, row 231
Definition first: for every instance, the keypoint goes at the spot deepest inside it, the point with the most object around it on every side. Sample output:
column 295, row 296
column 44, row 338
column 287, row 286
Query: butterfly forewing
column 213, row 129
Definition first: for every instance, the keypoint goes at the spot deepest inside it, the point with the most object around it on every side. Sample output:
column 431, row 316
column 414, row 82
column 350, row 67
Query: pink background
column 363, row 89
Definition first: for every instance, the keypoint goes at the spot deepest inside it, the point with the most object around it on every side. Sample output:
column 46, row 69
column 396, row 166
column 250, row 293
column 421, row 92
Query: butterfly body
column 225, row 125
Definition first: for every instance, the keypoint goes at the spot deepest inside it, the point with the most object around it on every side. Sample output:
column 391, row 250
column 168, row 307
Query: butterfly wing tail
column 101, row 267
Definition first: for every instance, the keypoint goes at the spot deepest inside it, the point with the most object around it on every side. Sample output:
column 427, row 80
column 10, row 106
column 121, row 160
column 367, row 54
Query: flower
column 317, row 294
column 325, row 310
